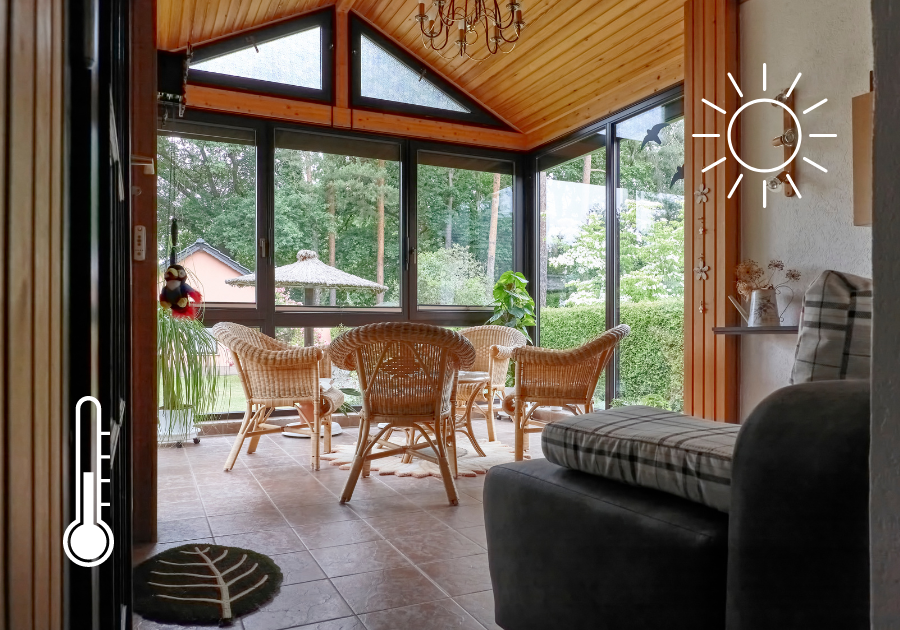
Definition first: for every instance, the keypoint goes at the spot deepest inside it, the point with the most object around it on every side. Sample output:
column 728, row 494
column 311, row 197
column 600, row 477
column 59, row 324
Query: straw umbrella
column 310, row 273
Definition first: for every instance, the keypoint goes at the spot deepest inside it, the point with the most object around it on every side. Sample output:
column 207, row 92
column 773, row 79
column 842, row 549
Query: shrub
column 651, row 367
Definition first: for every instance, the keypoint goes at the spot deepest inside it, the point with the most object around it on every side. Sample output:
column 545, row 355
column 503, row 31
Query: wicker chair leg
column 327, row 422
column 447, row 477
column 254, row 441
column 490, row 414
column 314, row 437
column 520, row 432
column 238, row 441
column 350, row 485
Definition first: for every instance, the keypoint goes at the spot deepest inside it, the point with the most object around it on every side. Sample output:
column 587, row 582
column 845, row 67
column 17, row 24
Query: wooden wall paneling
column 711, row 362
column 435, row 130
column 31, row 355
column 203, row 97
column 143, row 276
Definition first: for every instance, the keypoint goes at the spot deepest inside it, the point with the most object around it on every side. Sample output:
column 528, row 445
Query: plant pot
column 176, row 427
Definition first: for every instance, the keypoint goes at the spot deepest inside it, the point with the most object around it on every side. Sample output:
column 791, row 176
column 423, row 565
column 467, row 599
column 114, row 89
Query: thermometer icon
column 88, row 541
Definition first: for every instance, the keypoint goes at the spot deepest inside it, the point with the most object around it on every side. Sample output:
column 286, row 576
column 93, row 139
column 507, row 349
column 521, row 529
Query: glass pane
column 337, row 222
column 207, row 181
column 384, row 77
column 232, row 398
column 573, row 246
column 650, row 210
column 465, row 228
column 342, row 379
column 292, row 60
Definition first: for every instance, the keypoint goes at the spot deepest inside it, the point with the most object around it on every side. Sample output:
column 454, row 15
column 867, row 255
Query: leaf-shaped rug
column 469, row 465
column 204, row 584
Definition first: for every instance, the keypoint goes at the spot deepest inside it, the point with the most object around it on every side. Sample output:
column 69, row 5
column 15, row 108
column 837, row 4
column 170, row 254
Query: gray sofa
column 572, row 550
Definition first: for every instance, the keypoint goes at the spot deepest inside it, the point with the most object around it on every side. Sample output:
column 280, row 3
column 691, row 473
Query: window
column 384, row 77
column 207, row 182
column 292, row 58
column 338, row 200
column 464, row 228
column 611, row 248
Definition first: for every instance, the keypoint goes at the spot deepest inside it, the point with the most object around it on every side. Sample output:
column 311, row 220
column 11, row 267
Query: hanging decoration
column 501, row 27
column 701, row 270
column 701, row 195
column 176, row 293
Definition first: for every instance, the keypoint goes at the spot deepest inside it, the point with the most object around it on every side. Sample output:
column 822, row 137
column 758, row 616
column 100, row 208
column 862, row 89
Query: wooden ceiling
column 577, row 61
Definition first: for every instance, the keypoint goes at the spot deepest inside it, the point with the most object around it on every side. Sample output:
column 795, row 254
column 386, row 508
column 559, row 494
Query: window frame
column 606, row 125
column 323, row 19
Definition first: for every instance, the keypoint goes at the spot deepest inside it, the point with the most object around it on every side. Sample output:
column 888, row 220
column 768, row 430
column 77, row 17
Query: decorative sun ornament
column 701, row 270
column 795, row 136
column 702, row 194
column 500, row 27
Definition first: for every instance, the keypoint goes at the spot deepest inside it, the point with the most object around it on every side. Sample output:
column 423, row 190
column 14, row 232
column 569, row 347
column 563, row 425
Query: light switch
column 140, row 242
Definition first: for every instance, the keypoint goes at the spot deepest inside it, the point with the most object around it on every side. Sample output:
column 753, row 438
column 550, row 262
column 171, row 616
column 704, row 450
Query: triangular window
column 387, row 78
column 292, row 59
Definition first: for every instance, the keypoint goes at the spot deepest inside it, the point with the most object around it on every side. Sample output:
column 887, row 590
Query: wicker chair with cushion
column 407, row 375
column 493, row 349
column 274, row 374
column 565, row 378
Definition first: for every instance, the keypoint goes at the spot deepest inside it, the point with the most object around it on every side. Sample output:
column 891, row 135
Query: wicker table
column 469, row 386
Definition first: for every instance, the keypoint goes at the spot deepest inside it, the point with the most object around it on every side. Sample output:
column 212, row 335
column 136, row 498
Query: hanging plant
column 513, row 307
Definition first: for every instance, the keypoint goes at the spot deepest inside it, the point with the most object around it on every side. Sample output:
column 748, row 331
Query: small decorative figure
column 679, row 174
column 701, row 270
column 702, row 194
column 177, row 294
column 702, row 229
column 653, row 134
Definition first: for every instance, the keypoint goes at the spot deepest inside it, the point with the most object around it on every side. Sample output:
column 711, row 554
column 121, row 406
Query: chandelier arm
column 513, row 40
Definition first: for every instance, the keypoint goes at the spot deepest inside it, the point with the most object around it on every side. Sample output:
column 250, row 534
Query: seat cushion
column 649, row 447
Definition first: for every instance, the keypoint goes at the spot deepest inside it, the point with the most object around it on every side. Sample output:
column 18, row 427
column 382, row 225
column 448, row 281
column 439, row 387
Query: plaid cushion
column 835, row 341
column 654, row 448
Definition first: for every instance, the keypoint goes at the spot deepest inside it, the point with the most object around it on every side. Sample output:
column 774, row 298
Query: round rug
column 469, row 465
column 204, row 584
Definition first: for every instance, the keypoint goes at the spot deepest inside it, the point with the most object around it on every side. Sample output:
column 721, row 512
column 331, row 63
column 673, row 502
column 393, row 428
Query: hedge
column 651, row 357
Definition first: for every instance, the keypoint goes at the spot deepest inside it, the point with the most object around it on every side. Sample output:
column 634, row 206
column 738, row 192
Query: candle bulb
column 496, row 33
column 421, row 9
column 431, row 17
column 461, row 25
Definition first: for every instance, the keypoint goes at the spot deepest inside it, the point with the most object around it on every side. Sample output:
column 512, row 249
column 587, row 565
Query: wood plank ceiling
column 576, row 62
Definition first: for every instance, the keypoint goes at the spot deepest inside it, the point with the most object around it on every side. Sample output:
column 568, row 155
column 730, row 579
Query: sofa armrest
column 798, row 532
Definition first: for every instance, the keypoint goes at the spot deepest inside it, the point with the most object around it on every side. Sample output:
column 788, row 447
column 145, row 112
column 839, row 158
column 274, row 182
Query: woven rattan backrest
column 483, row 338
column 405, row 370
column 565, row 376
column 270, row 370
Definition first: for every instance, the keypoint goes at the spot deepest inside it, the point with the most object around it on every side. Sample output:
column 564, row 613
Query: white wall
column 830, row 42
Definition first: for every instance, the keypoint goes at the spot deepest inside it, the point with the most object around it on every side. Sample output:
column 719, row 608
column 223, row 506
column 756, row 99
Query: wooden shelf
column 756, row 330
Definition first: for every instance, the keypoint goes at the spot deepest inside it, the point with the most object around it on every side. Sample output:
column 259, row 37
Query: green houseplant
column 513, row 306
column 187, row 376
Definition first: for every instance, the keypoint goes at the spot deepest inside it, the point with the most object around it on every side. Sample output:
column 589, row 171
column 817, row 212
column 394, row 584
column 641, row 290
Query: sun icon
column 792, row 137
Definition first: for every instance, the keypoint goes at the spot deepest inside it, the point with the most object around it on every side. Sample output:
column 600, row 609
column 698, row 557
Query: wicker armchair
column 407, row 376
column 565, row 378
column 493, row 349
column 274, row 374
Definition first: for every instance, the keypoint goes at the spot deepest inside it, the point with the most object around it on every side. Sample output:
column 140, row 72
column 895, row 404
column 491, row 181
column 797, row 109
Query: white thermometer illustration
column 88, row 541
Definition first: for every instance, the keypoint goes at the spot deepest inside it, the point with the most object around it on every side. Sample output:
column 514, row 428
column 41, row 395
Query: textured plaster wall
column 830, row 42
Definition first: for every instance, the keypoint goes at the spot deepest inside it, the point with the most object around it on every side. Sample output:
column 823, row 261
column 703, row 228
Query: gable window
column 293, row 58
column 385, row 77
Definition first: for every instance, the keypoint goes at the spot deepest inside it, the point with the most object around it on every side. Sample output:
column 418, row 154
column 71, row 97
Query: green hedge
column 652, row 356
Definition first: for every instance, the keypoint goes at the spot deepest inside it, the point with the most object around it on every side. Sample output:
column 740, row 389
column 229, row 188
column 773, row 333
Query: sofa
column 568, row 549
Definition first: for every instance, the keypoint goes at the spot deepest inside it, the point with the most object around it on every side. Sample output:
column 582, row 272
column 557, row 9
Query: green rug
column 204, row 584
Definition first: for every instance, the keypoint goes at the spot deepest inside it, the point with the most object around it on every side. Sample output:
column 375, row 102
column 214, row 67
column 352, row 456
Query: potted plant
column 187, row 375
column 513, row 306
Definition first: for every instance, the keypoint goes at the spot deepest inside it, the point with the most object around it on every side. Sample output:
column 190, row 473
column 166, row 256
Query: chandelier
column 467, row 16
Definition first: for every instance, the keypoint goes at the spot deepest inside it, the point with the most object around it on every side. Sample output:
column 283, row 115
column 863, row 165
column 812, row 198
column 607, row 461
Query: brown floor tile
column 290, row 471
column 406, row 524
column 142, row 552
column 177, row 495
column 184, row 529
column 330, row 512
column 299, row 567
column 272, row 542
column 236, row 494
column 411, row 485
column 323, row 535
column 358, row 558
column 460, row 516
column 297, row 605
column 177, row 511
column 481, row 606
column 382, row 506
column 221, row 506
column 290, row 498
column 391, row 588
column 438, row 499
column 256, row 521
column 436, row 545
column 273, row 461
column 444, row 614
column 222, row 479
column 460, row 576
column 475, row 493
column 345, row 623
column 475, row 534
column 173, row 470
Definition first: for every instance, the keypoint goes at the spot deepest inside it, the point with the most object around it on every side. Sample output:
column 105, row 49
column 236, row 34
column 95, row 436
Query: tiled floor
column 396, row 557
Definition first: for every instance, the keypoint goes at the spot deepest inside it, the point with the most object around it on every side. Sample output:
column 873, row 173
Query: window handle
column 264, row 248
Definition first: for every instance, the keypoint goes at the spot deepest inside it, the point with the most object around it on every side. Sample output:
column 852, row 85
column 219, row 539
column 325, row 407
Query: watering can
column 763, row 308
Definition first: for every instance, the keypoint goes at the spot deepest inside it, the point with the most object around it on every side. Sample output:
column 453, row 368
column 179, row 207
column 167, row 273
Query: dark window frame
column 323, row 19
column 607, row 126
column 477, row 114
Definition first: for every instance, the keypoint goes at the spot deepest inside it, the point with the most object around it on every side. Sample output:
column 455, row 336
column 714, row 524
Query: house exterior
column 212, row 268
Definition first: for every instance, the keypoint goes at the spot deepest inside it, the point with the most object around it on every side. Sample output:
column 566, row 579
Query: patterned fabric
column 648, row 447
column 835, row 341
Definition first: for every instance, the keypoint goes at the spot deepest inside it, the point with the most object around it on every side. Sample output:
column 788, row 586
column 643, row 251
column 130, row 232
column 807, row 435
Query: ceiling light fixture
column 439, row 20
